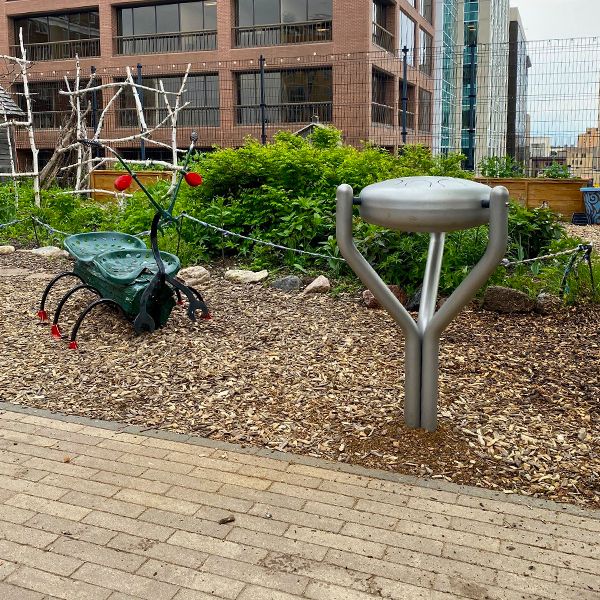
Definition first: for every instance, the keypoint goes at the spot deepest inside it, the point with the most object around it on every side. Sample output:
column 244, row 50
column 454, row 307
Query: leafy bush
column 284, row 192
column 557, row 171
column 501, row 166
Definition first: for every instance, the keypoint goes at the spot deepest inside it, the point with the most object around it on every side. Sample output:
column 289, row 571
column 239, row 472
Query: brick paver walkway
column 96, row 513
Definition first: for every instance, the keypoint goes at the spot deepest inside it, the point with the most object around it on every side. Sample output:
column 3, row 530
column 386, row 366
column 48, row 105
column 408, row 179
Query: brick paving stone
column 33, row 557
column 71, row 529
column 226, row 587
column 99, row 555
column 176, row 555
column 146, row 588
column 257, row 575
column 132, row 517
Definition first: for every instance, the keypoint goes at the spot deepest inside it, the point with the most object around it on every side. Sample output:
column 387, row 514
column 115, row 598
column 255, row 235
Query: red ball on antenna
column 193, row 179
column 122, row 182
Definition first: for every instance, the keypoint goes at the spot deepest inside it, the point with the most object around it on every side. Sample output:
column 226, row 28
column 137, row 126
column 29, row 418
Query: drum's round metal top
column 426, row 204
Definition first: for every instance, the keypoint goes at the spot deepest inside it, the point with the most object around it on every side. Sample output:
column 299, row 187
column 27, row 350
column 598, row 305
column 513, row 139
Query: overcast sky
column 553, row 19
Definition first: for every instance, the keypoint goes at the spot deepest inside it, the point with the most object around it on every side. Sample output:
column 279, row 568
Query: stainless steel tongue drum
column 435, row 205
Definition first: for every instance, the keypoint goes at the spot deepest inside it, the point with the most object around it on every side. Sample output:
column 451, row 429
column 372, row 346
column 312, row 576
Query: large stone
column 290, row 283
column 7, row 249
column 372, row 302
column 506, row 300
column 194, row 276
column 242, row 276
column 50, row 252
column 547, row 304
column 320, row 285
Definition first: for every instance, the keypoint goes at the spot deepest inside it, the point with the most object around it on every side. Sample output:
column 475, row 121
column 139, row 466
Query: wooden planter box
column 562, row 196
column 105, row 180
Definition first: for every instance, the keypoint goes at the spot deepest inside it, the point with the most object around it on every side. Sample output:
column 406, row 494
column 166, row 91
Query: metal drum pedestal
column 435, row 205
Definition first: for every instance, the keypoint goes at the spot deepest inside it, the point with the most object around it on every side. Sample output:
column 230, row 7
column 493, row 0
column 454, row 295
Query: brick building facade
column 337, row 59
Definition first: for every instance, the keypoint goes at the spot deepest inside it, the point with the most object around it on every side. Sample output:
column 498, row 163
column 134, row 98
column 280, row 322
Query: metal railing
column 164, row 43
column 208, row 116
column 64, row 50
column 279, row 34
column 410, row 119
column 383, row 38
column 50, row 119
column 290, row 112
column 382, row 114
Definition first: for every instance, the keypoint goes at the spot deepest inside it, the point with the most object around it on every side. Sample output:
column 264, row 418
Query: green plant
column 557, row 171
column 501, row 166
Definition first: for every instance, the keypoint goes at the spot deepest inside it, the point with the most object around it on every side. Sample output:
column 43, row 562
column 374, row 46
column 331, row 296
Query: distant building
column 583, row 158
column 485, row 67
column 518, row 76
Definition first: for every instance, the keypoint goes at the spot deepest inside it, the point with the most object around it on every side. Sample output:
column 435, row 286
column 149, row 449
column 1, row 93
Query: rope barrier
column 258, row 241
column 581, row 248
column 505, row 262
column 4, row 225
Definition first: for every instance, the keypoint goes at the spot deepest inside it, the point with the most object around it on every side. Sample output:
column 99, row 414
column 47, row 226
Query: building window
column 291, row 96
column 426, row 9
column 202, row 94
column 382, row 111
column 59, row 36
column 425, row 52
column 165, row 28
column 407, row 36
column 275, row 22
column 425, row 109
column 382, row 37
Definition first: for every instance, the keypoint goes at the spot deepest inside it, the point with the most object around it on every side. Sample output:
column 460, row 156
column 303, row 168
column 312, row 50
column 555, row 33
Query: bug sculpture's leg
column 205, row 311
column 83, row 315
column 55, row 330
column 194, row 303
column 42, row 314
column 143, row 321
column 179, row 298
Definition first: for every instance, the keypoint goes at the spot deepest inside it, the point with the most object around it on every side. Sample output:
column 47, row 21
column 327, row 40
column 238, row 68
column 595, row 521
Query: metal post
column 458, row 299
column 366, row 273
column 263, row 106
column 141, row 96
column 431, row 280
column 404, row 92
column 472, row 96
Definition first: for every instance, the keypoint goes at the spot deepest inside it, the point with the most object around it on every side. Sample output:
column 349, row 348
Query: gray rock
column 547, row 304
column 287, row 284
column 320, row 285
column 194, row 276
column 414, row 302
column 243, row 276
column 7, row 249
column 506, row 300
column 50, row 252
column 372, row 302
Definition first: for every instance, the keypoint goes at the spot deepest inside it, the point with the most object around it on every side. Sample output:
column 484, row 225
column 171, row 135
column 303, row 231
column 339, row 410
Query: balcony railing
column 292, row 112
column 50, row 119
column 60, row 50
column 383, row 38
column 165, row 43
column 410, row 119
column 382, row 114
column 283, row 33
column 204, row 116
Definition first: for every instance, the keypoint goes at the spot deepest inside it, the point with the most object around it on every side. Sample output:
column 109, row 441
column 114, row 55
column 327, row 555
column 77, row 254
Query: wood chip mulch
column 520, row 394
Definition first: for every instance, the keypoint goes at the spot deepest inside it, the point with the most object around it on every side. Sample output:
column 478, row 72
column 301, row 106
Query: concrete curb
column 431, row 484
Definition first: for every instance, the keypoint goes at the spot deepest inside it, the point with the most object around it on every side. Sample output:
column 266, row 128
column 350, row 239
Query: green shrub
column 557, row 171
column 501, row 166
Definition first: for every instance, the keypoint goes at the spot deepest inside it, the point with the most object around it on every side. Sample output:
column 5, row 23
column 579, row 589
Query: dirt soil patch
column 520, row 395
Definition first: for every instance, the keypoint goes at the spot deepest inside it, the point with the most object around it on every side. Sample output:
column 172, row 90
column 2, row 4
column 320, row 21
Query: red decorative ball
column 122, row 182
column 193, row 179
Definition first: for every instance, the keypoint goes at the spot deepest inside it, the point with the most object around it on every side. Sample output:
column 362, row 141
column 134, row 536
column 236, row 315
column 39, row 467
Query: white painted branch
column 138, row 102
column 113, row 85
column 105, row 110
column 98, row 191
column 34, row 151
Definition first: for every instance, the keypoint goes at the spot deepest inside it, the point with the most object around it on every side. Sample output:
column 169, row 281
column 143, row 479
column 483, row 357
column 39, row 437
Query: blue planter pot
column 591, row 199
